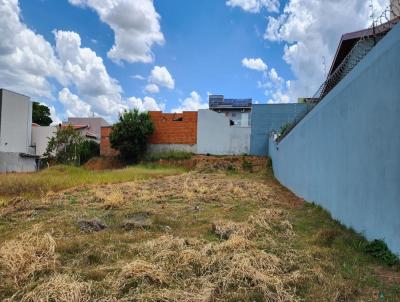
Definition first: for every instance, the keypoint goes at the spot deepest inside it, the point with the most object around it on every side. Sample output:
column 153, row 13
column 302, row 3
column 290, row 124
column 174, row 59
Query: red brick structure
column 105, row 146
column 169, row 129
column 174, row 128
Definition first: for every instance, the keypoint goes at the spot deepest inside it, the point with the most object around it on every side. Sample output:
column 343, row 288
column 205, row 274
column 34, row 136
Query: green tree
column 131, row 134
column 41, row 114
column 65, row 147
column 88, row 150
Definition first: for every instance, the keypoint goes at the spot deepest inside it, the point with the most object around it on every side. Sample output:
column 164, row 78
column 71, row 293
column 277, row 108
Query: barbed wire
column 371, row 36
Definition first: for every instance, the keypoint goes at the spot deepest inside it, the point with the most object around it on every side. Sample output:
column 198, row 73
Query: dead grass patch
column 26, row 256
column 218, row 269
column 59, row 288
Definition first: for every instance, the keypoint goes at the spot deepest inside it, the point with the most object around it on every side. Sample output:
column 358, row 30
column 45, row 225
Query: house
column 16, row 151
column 84, row 130
column 237, row 110
column 354, row 46
column 89, row 126
column 41, row 136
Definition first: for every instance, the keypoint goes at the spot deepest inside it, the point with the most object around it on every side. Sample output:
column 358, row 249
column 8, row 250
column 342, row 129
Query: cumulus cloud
column 27, row 60
column 161, row 77
column 86, row 71
column 75, row 107
column 311, row 30
column 152, row 88
column 136, row 26
column 147, row 104
column 255, row 6
column 192, row 103
column 255, row 64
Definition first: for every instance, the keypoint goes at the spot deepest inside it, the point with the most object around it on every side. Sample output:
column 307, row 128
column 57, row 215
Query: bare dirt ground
column 205, row 235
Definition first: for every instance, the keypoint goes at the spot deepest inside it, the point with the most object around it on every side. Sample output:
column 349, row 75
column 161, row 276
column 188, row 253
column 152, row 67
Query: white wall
column 16, row 122
column 41, row 137
column 216, row 136
column 13, row 162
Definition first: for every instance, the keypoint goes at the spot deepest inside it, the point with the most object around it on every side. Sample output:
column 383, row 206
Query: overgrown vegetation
column 89, row 149
column 168, row 155
column 206, row 237
column 61, row 177
column 66, row 147
column 283, row 129
column 379, row 250
column 131, row 134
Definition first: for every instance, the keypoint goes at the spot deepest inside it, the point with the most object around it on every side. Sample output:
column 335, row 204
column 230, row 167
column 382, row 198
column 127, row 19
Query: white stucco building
column 16, row 151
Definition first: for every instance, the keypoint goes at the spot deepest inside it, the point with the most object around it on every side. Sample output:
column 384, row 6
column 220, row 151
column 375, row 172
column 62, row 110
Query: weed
column 379, row 250
column 58, row 178
column 168, row 155
column 247, row 166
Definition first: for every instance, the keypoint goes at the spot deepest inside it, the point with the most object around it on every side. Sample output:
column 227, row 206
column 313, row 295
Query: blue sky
column 192, row 47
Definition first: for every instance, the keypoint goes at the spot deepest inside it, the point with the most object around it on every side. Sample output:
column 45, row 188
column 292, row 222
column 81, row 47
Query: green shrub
column 378, row 249
column 283, row 129
column 88, row 150
column 168, row 155
column 247, row 165
column 131, row 134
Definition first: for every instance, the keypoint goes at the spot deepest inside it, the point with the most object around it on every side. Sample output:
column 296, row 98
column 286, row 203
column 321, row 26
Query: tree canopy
column 41, row 114
column 131, row 134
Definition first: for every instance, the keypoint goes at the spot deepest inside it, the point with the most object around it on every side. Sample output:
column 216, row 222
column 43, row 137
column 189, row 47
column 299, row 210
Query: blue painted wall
column 345, row 154
column 267, row 118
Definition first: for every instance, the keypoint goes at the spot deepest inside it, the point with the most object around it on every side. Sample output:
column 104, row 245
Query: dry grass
column 59, row 288
column 213, row 237
column 28, row 255
column 218, row 269
column 58, row 178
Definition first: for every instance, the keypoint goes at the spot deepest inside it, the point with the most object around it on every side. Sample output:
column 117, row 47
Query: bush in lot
column 88, row 150
column 64, row 147
column 379, row 250
column 131, row 134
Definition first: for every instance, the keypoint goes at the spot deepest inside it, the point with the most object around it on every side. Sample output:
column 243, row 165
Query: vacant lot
column 196, row 236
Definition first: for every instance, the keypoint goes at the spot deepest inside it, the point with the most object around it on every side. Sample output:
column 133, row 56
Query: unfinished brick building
column 172, row 131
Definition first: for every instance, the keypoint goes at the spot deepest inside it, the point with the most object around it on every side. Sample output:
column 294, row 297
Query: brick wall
column 105, row 146
column 174, row 128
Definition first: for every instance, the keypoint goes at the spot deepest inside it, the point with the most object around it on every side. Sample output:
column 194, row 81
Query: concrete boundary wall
column 157, row 148
column 14, row 162
column 266, row 118
column 216, row 136
column 345, row 155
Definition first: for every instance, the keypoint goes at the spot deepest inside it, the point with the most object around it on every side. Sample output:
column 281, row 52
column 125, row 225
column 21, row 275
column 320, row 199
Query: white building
column 16, row 151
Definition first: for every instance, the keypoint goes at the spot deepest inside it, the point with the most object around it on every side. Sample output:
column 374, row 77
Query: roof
column 87, row 120
column 348, row 41
column 91, row 134
column 76, row 127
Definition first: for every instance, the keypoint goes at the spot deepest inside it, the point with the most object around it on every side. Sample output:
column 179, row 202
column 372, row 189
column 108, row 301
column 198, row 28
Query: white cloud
column 86, row 71
column 54, row 116
column 136, row 26
column 161, row 76
column 73, row 105
column 27, row 60
column 255, row 6
column 152, row 88
column 311, row 30
column 147, row 104
column 193, row 103
column 255, row 64
column 139, row 77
